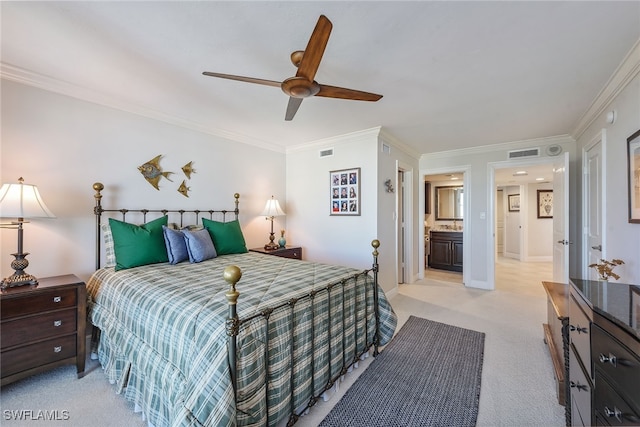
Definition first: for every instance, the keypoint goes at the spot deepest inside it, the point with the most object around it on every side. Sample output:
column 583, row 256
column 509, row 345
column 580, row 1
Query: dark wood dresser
column 605, row 349
column 292, row 252
column 42, row 327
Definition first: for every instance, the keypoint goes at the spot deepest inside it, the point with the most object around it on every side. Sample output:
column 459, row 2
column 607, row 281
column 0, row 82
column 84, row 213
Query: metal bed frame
column 232, row 275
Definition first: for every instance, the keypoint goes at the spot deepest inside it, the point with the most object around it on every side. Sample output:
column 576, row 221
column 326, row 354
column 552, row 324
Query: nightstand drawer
column 37, row 303
column 30, row 356
column 294, row 253
column 37, row 327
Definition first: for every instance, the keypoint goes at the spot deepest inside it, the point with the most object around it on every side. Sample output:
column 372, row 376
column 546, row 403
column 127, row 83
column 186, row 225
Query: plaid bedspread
column 163, row 339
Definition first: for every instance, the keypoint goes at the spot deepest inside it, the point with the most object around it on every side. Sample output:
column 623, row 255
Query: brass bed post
column 237, row 197
column 232, row 275
column 97, row 210
column 376, row 341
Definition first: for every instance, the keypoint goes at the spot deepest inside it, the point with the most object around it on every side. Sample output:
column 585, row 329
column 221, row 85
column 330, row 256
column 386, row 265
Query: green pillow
column 227, row 236
column 137, row 245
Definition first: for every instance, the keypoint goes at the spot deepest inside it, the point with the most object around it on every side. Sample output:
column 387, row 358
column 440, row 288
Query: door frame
column 491, row 178
column 466, row 222
column 407, row 209
column 600, row 137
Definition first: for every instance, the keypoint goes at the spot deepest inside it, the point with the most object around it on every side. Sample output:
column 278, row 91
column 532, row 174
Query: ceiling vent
column 326, row 153
column 529, row 152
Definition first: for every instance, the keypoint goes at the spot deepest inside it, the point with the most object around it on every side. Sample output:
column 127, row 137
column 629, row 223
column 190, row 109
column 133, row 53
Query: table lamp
column 271, row 210
column 20, row 201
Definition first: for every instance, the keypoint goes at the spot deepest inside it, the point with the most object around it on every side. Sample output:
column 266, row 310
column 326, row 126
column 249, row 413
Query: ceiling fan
column 303, row 85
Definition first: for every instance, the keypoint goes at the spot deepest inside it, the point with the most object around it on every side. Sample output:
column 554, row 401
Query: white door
column 592, row 197
column 561, row 219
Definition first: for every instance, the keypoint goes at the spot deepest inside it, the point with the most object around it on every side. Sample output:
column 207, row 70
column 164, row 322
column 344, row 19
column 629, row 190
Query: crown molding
column 387, row 137
column 29, row 78
column 350, row 137
column 503, row 146
column 621, row 77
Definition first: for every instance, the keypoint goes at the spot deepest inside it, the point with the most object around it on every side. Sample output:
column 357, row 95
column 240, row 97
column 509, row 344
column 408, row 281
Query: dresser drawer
column 37, row 303
column 30, row 356
column 617, row 362
column 294, row 253
column 581, row 388
column 579, row 332
column 36, row 327
column 610, row 406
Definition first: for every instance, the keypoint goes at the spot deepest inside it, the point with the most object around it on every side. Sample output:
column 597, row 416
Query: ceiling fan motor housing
column 299, row 87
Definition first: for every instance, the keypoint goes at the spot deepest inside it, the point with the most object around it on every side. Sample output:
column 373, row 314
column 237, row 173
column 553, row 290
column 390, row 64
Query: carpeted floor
column 429, row 375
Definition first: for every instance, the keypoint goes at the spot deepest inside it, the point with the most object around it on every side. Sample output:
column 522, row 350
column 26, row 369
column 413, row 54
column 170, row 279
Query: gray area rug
column 428, row 375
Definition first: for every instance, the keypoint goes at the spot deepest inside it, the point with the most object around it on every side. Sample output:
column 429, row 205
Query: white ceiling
column 453, row 74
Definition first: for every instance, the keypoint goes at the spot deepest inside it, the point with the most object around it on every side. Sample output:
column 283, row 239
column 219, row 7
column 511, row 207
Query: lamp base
column 19, row 277
column 271, row 246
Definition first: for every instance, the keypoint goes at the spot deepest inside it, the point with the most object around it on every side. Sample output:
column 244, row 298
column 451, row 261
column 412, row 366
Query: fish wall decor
column 188, row 169
column 152, row 171
column 183, row 189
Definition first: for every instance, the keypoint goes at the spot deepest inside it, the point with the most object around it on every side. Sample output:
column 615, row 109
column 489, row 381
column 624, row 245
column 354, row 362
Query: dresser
column 556, row 335
column 604, row 329
column 42, row 327
column 294, row 252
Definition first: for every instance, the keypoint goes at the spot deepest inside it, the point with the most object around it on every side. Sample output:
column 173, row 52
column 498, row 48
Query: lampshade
column 272, row 208
column 19, row 200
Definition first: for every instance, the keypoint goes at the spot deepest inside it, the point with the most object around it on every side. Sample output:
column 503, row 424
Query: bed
column 238, row 339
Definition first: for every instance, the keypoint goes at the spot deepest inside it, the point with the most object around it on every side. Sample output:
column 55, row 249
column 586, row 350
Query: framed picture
column 634, row 310
column 545, row 203
column 633, row 172
column 344, row 192
column 514, row 203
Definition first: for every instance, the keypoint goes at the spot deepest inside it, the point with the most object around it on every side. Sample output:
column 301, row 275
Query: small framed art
column 633, row 173
column 514, row 203
column 344, row 193
column 545, row 203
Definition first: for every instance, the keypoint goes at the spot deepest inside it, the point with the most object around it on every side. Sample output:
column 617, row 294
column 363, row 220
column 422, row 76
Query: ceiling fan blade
column 292, row 107
column 344, row 93
column 315, row 49
column 244, row 79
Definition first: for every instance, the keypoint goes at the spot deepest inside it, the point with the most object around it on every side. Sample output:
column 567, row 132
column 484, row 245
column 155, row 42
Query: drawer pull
column 57, row 299
column 57, row 349
column 615, row 413
column 580, row 387
column 578, row 329
column 57, row 323
column 610, row 358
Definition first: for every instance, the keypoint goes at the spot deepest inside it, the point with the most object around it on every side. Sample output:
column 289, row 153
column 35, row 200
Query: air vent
column 326, row 153
column 529, row 152
column 386, row 148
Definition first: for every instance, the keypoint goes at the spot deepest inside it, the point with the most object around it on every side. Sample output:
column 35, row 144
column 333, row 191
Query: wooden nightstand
column 293, row 252
column 42, row 327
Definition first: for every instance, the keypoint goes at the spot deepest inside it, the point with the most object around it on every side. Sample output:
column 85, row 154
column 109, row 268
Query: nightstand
column 293, row 252
column 43, row 327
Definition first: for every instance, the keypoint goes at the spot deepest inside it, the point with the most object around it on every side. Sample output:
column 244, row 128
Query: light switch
column 483, row 215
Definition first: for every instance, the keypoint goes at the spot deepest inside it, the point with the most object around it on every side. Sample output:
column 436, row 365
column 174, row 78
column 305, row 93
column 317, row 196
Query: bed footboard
column 232, row 275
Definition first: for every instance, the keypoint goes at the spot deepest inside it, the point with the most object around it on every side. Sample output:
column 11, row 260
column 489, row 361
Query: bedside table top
column 43, row 284
column 275, row 251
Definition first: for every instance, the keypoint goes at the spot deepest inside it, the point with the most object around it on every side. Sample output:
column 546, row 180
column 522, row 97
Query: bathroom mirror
column 449, row 203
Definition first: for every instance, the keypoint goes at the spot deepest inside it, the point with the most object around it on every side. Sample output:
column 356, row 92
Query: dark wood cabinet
column 42, row 327
column 556, row 336
column 427, row 197
column 293, row 252
column 604, row 364
column 446, row 250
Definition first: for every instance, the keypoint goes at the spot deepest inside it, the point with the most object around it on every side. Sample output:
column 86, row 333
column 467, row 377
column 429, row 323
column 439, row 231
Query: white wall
column 621, row 238
column 539, row 231
column 64, row 145
column 346, row 240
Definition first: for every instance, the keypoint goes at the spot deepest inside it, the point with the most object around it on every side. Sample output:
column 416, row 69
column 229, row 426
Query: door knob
column 597, row 248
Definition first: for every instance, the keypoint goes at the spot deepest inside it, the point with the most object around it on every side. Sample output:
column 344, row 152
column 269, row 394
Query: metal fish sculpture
column 188, row 170
column 183, row 189
column 152, row 171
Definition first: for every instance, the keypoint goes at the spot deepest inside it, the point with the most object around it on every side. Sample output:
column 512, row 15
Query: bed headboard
column 181, row 217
